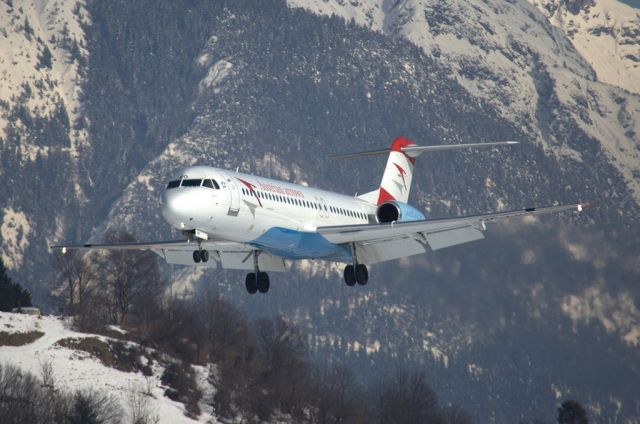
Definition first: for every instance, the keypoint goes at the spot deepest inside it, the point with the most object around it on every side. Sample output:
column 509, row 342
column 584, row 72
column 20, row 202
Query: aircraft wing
column 223, row 254
column 382, row 242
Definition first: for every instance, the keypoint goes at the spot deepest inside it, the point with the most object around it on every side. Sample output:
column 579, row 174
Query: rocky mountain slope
column 605, row 32
column 505, row 327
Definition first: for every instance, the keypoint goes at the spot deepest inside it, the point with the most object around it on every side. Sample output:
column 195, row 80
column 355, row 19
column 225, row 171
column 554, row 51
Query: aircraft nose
column 177, row 208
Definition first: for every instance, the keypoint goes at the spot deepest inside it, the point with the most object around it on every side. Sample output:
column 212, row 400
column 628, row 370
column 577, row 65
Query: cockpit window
column 207, row 183
column 191, row 183
column 173, row 184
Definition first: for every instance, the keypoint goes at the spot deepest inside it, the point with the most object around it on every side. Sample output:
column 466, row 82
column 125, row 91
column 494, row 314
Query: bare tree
column 407, row 398
column 283, row 349
column 337, row 397
column 75, row 273
column 89, row 406
column 139, row 409
column 128, row 276
column 222, row 323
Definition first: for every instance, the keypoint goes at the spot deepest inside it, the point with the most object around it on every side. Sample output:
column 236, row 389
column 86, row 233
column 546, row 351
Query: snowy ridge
column 75, row 369
column 41, row 43
column 497, row 51
column 606, row 33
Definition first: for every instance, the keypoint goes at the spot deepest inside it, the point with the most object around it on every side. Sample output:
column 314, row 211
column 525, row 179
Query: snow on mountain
column 509, row 54
column 77, row 369
column 41, row 45
column 42, row 60
column 605, row 32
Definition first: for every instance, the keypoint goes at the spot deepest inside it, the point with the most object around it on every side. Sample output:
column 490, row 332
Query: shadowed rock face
column 575, row 6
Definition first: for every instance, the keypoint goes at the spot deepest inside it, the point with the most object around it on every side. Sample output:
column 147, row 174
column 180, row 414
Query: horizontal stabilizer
column 414, row 151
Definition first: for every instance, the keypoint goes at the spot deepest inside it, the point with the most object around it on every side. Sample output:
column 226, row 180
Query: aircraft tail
column 396, row 181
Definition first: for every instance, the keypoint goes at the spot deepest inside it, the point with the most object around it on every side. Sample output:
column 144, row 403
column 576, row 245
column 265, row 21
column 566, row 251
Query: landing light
column 64, row 250
column 579, row 208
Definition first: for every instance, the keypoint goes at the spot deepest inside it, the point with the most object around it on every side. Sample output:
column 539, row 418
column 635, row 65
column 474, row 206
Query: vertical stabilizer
column 396, row 180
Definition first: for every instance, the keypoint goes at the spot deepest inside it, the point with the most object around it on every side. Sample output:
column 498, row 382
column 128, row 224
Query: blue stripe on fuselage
column 292, row 244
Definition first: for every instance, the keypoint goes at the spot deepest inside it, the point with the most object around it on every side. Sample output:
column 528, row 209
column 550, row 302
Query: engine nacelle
column 398, row 212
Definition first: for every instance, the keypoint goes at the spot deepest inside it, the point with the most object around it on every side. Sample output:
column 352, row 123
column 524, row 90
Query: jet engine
column 398, row 212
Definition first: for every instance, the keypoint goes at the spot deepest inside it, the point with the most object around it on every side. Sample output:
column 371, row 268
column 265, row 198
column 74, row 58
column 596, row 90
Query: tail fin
column 396, row 181
column 398, row 174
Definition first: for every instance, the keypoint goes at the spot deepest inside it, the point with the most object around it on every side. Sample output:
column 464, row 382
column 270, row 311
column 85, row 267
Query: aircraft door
column 324, row 211
column 234, row 197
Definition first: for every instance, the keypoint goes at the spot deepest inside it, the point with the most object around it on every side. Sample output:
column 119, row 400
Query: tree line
column 263, row 366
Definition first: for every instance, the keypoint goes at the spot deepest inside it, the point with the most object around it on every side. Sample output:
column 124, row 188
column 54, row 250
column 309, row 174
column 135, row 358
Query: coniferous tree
column 12, row 295
column 571, row 412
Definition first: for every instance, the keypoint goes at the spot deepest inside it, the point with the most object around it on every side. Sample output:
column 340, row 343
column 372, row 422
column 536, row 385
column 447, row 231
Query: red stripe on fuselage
column 250, row 187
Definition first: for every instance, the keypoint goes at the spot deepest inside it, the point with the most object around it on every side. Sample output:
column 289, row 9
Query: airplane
column 234, row 220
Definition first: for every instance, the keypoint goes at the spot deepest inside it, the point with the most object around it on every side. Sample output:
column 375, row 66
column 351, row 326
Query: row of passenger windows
column 304, row 203
column 207, row 182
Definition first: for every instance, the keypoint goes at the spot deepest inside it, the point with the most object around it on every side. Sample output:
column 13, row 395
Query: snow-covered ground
column 74, row 369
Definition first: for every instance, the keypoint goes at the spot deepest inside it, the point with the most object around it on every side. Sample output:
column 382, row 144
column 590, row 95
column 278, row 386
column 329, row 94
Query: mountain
column 606, row 33
column 504, row 328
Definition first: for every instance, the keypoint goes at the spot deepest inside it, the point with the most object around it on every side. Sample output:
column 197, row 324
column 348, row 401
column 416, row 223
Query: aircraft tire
column 251, row 283
column 263, row 282
column 196, row 256
column 204, row 255
column 362, row 274
column 349, row 276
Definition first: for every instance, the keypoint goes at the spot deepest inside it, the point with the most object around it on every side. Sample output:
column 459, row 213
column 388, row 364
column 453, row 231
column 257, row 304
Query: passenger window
column 173, row 184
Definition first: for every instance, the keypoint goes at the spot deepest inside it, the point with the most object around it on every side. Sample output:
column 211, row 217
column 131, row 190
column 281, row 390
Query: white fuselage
column 239, row 207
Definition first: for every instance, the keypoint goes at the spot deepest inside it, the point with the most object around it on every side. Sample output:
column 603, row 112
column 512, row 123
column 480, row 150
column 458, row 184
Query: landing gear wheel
column 204, row 255
column 349, row 276
column 263, row 282
column 251, row 283
column 362, row 274
column 196, row 256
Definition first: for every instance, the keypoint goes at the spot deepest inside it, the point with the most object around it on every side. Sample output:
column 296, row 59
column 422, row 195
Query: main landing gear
column 257, row 280
column 356, row 273
column 200, row 255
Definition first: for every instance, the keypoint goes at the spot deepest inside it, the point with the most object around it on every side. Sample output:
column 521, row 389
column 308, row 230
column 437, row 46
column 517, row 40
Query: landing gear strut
column 257, row 280
column 356, row 273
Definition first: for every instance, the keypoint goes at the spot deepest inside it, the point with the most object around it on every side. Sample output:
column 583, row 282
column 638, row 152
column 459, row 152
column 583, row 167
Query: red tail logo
column 402, row 174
